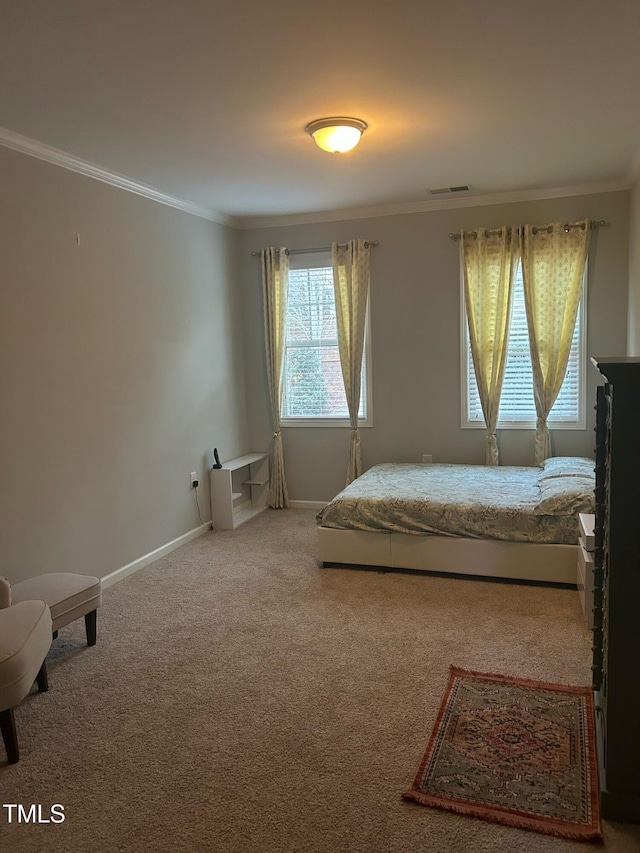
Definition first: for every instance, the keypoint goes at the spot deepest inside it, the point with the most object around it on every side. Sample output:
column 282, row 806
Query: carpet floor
column 242, row 700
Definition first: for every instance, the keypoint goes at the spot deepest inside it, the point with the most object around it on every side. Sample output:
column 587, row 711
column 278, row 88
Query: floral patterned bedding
column 518, row 504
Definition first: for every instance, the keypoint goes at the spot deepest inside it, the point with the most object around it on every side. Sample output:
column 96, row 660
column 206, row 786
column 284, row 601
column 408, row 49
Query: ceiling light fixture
column 337, row 134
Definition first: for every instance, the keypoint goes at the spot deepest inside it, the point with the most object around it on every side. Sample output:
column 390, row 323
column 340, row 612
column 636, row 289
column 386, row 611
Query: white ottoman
column 69, row 597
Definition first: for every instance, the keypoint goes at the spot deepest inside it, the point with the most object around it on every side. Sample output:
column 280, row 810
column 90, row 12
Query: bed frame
column 456, row 555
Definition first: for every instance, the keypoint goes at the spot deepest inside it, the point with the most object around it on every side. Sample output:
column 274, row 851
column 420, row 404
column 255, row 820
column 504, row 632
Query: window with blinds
column 517, row 406
column 313, row 388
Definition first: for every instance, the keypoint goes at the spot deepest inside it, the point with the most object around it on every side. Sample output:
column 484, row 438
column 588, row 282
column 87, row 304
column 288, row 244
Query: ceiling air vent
column 463, row 188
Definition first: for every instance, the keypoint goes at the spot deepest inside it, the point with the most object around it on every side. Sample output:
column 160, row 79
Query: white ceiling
column 207, row 100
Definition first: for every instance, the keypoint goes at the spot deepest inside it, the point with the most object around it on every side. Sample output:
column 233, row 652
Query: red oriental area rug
column 514, row 751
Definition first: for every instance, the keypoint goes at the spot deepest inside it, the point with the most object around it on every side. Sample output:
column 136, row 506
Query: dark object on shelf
column 217, row 458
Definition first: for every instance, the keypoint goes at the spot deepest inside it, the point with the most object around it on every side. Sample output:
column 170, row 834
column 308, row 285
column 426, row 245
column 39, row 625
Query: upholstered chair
column 25, row 639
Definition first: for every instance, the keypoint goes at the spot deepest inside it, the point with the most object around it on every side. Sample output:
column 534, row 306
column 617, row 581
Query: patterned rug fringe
column 510, row 679
column 505, row 818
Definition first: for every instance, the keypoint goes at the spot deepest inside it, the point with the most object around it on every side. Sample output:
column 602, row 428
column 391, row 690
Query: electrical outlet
column 427, row 457
column 194, row 479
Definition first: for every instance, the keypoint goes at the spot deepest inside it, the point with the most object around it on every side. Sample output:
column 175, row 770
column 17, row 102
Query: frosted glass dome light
column 336, row 135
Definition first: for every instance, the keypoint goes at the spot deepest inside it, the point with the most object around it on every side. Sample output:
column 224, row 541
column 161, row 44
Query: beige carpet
column 242, row 699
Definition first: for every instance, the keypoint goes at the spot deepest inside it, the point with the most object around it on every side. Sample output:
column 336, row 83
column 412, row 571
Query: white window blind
column 313, row 388
column 517, row 406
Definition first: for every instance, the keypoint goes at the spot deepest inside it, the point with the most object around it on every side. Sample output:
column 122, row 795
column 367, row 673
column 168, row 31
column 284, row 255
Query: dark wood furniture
column 616, row 624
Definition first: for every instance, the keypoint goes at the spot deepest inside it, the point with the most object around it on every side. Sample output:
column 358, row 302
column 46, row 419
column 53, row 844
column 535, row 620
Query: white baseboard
column 308, row 504
column 152, row 556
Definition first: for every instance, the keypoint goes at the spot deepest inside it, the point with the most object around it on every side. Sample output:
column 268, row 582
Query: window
column 517, row 406
column 313, row 388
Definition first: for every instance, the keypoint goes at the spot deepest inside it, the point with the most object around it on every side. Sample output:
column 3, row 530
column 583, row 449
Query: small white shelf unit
column 239, row 490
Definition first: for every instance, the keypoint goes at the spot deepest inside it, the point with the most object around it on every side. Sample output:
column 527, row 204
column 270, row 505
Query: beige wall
column 121, row 367
column 634, row 271
column 415, row 307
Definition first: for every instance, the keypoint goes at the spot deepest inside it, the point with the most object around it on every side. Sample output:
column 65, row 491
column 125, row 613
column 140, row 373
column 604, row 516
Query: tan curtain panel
column 488, row 259
column 351, row 286
column 553, row 264
column 275, row 285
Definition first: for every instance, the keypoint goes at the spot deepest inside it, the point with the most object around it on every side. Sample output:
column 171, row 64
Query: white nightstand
column 584, row 579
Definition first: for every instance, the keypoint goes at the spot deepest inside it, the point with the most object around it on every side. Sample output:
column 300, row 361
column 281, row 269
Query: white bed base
column 450, row 554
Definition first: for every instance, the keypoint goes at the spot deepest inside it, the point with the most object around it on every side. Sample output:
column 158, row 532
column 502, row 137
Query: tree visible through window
column 313, row 387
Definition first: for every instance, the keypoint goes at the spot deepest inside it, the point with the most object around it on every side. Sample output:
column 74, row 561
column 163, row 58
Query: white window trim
column 579, row 423
column 343, row 423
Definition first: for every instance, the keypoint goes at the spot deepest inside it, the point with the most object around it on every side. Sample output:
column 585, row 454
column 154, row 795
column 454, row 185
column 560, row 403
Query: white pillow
column 567, row 466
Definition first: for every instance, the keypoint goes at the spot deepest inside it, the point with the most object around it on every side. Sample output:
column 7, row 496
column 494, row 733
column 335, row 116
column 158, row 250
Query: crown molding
column 618, row 185
column 33, row 148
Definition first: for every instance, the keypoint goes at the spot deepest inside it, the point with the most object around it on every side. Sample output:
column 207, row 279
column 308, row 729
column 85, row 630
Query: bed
column 511, row 522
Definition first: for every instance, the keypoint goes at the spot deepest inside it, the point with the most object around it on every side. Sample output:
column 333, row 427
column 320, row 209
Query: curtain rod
column 372, row 243
column 595, row 224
